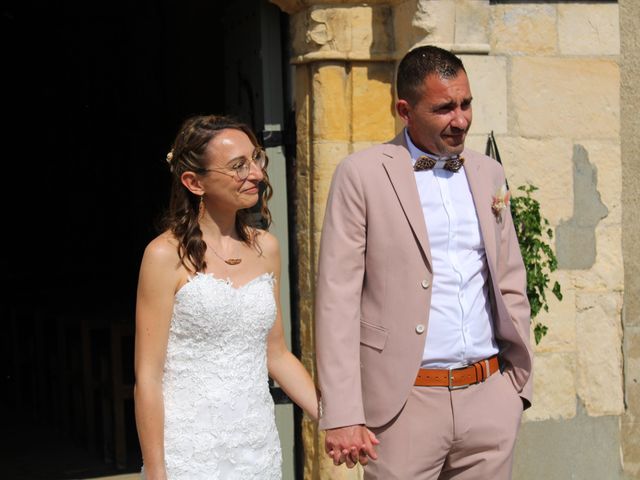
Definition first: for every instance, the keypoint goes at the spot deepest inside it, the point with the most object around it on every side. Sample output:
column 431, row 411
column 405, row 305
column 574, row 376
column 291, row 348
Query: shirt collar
column 416, row 153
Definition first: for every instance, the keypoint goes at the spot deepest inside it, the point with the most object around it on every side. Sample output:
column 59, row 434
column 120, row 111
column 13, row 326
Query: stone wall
column 546, row 80
column 343, row 52
column 561, row 64
column 630, row 126
column 334, row 116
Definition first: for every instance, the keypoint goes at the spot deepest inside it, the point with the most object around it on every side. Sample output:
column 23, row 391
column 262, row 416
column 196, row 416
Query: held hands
column 351, row 445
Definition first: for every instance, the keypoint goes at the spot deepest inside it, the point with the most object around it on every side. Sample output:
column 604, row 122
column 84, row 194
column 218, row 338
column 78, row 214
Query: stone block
column 305, row 261
column 459, row 26
column 599, row 378
column 589, row 29
column 302, row 78
column 371, row 30
column 630, row 94
column 330, row 114
column 605, row 156
column 306, row 316
column 317, row 236
column 561, row 317
column 424, row 22
column 631, row 419
column 523, row 29
column 326, row 156
column 472, row 22
column 632, row 366
column 406, row 35
column 342, row 32
column 565, row 97
column 488, row 80
column 554, row 391
column 576, row 237
column 607, row 273
column 544, row 163
column 298, row 25
column 476, row 142
column 373, row 106
column 581, row 448
column 357, row 146
column 309, row 433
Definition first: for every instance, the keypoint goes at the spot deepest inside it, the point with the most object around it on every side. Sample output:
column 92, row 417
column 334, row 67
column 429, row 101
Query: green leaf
column 539, row 331
column 556, row 290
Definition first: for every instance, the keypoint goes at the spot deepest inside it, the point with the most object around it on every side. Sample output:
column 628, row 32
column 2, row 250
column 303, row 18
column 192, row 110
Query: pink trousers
column 444, row 434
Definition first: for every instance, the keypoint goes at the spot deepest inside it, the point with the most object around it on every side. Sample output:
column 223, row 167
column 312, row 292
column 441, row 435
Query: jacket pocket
column 373, row 336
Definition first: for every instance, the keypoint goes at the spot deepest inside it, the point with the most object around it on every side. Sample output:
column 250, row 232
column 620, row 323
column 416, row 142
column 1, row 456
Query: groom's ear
column 404, row 110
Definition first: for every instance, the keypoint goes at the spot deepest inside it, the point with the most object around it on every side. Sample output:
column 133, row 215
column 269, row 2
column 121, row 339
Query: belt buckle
column 451, row 385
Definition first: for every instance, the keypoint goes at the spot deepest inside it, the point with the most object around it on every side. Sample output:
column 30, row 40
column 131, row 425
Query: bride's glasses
column 241, row 169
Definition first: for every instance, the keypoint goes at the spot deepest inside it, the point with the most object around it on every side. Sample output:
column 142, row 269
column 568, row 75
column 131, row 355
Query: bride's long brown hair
column 188, row 155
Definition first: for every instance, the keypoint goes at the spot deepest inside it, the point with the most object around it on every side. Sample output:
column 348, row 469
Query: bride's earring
column 201, row 208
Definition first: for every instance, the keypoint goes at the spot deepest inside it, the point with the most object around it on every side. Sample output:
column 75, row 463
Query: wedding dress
column 219, row 415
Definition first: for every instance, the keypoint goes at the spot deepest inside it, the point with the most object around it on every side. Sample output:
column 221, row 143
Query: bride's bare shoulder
column 267, row 243
column 163, row 248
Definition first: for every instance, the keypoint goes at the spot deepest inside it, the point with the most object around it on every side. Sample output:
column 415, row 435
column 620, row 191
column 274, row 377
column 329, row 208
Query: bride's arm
column 283, row 366
column 154, row 304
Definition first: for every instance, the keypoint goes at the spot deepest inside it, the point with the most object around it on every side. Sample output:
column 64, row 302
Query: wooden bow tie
column 452, row 164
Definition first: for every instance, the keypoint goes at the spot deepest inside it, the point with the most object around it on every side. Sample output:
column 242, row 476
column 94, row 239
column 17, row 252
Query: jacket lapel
column 482, row 193
column 398, row 167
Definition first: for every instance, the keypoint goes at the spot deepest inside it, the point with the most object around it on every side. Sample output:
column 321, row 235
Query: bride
column 208, row 323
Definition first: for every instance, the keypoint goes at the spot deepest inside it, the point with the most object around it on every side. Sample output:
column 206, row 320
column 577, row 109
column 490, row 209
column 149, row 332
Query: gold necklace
column 228, row 261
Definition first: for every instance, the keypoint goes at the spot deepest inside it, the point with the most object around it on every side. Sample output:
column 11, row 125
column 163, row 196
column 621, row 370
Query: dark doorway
column 93, row 94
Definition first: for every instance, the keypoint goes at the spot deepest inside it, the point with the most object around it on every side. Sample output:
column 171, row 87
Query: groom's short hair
column 420, row 62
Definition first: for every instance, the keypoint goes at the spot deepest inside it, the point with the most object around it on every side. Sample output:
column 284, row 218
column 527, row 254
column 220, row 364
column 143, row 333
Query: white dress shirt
column 460, row 328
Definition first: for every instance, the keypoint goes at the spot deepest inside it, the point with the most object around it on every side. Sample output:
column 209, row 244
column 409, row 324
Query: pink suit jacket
column 374, row 278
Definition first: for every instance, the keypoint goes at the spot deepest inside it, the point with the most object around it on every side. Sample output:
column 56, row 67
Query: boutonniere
column 500, row 201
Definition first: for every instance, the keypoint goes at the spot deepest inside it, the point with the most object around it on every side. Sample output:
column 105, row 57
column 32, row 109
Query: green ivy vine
column 533, row 233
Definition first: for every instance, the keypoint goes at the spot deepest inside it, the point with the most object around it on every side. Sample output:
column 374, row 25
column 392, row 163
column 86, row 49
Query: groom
column 422, row 318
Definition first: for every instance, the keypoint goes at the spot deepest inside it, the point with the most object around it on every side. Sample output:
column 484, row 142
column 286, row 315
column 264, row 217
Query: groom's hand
column 351, row 445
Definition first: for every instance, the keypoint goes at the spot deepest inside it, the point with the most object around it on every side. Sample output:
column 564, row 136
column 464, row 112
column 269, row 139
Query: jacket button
column 425, row 283
column 419, row 328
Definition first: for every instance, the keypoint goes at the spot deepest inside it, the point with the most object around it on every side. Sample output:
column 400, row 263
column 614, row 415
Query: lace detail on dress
column 219, row 415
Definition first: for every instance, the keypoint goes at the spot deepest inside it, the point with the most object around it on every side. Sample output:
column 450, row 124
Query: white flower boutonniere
column 500, row 201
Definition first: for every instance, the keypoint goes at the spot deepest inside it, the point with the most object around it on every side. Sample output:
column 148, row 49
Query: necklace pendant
column 233, row 261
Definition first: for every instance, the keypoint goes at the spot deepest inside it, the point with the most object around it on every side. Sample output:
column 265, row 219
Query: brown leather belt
column 455, row 378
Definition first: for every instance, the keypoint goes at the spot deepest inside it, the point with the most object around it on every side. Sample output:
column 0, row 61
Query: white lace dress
column 219, row 415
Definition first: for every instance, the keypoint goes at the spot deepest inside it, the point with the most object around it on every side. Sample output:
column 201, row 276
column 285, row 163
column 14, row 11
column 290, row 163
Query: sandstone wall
column 630, row 147
column 546, row 79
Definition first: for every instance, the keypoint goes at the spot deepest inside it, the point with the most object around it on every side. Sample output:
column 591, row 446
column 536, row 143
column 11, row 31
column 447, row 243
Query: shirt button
column 425, row 283
column 419, row 328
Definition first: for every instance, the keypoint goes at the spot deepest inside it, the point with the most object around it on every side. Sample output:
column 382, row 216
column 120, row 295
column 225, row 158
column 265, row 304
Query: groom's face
column 439, row 120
